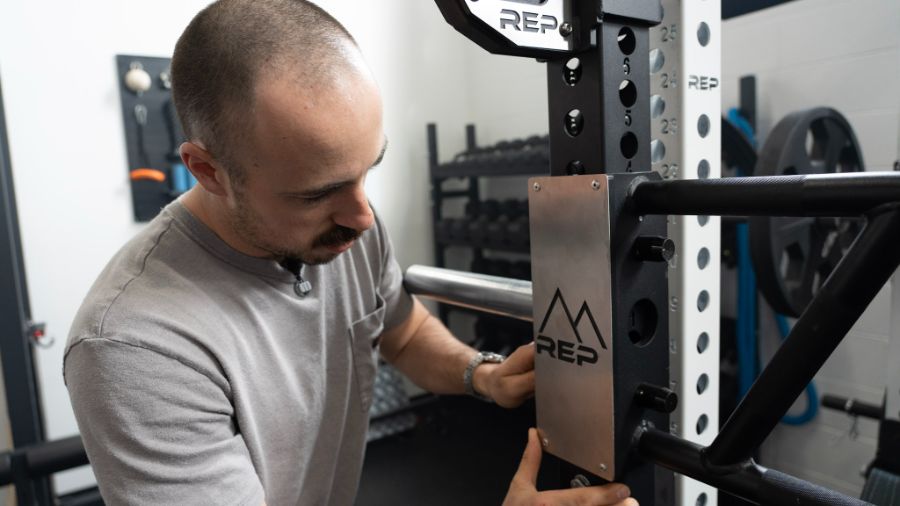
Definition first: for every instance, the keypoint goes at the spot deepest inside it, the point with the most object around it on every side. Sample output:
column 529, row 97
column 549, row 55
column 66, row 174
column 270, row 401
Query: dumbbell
column 511, row 208
column 479, row 229
column 517, row 233
column 442, row 230
column 489, row 208
column 496, row 232
column 459, row 229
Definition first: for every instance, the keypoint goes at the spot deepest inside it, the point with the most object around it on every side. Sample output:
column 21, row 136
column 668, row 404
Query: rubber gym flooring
column 463, row 451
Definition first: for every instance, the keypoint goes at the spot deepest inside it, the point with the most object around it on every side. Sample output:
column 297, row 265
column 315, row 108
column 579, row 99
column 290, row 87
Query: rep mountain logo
column 576, row 352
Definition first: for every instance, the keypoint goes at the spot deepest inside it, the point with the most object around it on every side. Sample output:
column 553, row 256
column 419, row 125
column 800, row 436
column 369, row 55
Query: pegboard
column 152, row 137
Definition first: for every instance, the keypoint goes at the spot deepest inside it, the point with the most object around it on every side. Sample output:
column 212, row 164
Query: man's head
column 284, row 120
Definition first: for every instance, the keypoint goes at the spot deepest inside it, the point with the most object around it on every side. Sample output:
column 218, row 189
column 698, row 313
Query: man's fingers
column 514, row 390
column 531, row 459
column 521, row 361
column 613, row 494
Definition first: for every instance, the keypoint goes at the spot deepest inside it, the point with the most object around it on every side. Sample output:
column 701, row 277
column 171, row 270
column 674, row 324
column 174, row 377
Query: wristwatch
column 478, row 359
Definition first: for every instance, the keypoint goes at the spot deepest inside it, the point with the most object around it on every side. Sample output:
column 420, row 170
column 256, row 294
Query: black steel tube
column 844, row 194
column 55, row 456
column 853, row 284
column 490, row 294
column 853, row 406
column 41, row 460
column 747, row 480
column 6, row 472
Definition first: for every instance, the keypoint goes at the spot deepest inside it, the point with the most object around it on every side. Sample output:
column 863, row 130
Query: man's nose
column 354, row 211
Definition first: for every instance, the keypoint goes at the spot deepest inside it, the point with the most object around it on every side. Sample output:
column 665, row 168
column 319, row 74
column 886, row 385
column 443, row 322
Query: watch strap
column 469, row 374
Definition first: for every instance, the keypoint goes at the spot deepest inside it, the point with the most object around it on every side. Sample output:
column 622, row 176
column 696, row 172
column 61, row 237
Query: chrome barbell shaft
column 489, row 294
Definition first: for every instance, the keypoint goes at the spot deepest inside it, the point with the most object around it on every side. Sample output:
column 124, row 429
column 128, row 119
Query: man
column 226, row 355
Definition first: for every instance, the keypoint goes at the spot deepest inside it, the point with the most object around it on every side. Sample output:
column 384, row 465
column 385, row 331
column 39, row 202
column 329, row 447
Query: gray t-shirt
column 199, row 376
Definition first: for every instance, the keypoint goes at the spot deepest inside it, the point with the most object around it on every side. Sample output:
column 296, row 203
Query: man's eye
column 312, row 199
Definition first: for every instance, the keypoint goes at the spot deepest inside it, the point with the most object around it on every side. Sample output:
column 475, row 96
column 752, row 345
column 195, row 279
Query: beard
column 246, row 223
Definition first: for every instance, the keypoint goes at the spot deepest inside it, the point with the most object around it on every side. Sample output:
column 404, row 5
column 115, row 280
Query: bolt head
column 537, row 187
column 565, row 29
column 603, row 467
column 595, row 184
column 545, row 442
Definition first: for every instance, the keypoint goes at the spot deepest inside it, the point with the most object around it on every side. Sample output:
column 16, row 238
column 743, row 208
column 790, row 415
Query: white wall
column 843, row 54
column 57, row 64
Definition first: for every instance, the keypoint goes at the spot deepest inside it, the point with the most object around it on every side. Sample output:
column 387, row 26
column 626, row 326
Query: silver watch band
column 469, row 374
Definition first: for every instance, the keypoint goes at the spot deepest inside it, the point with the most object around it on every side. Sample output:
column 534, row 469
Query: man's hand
column 523, row 491
column 509, row 383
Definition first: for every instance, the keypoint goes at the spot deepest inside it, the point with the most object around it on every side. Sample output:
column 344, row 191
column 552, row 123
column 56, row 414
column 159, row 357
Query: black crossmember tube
column 834, row 195
column 748, row 481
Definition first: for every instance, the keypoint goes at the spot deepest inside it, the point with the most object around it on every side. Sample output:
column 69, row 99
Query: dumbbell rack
column 486, row 225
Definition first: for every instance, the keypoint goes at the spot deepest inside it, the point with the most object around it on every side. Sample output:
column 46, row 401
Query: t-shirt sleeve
column 156, row 430
column 398, row 302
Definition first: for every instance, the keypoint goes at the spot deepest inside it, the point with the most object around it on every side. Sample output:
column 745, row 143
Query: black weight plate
column 794, row 256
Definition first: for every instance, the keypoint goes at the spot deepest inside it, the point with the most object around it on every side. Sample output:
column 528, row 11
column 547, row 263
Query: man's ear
column 204, row 167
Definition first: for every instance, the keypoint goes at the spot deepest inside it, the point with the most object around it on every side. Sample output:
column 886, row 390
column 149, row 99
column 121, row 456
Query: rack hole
column 702, row 423
column 657, row 106
column 657, row 60
column 627, row 93
column 642, row 321
column 703, row 34
column 702, row 342
column 627, row 41
column 572, row 72
column 628, row 145
column 703, row 125
column 657, row 151
column 702, row 220
column 702, row 383
column 703, row 169
column 574, row 122
column 703, row 258
column 703, row 301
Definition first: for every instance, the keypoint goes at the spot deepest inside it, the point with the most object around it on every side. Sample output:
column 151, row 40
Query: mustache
column 337, row 236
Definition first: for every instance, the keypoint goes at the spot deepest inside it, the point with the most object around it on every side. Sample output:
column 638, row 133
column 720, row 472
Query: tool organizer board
column 161, row 134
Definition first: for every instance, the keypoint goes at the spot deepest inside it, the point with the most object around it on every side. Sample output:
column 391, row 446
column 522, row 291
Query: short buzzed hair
column 228, row 45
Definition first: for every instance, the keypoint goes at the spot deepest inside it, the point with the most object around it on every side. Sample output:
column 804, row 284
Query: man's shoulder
column 135, row 284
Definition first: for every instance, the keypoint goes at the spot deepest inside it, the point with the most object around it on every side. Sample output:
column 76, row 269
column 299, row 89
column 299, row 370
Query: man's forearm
column 434, row 359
